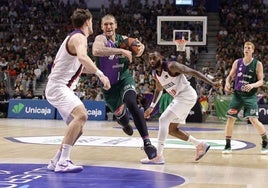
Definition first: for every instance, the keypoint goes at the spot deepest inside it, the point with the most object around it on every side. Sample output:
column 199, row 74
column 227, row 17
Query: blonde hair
column 108, row 16
column 250, row 44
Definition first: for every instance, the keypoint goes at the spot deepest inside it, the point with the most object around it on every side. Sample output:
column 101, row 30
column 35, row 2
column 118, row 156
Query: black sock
column 228, row 142
column 264, row 138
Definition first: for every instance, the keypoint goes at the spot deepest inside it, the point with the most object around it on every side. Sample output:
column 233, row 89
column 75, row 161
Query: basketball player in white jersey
column 171, row 77
column 71, row 60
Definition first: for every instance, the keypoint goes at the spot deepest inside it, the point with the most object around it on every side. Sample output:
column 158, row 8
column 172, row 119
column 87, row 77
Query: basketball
column 131, row 44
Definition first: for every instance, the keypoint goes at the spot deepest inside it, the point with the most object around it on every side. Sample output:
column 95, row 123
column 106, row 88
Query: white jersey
column 62, row 81
column 174, row 85
column 66, row 68
column 184, row 95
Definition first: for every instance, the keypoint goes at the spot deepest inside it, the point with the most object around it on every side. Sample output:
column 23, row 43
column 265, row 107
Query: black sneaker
column 149, row 149
column 128, row 129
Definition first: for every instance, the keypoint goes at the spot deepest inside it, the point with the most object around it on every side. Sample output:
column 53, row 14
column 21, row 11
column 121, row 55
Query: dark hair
column 80, row 16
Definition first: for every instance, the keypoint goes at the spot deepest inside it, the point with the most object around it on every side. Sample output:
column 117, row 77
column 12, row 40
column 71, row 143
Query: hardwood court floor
column 244, row 168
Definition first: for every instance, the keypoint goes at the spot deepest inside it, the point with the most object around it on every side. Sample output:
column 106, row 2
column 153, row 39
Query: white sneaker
column 52, row 165
column 157, row 160
column 227, row 150
column 264, row 151
column 201, row 150
column 67, row 166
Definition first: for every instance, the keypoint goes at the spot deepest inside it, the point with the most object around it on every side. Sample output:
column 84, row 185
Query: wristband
column 99, row 73
column 152, row 105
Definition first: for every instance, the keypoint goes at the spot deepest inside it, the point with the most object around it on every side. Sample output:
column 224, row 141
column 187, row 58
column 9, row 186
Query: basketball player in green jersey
column 114, row 62
column 247, row 73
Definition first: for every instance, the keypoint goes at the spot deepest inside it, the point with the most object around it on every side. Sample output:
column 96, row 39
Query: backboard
column 192, row 28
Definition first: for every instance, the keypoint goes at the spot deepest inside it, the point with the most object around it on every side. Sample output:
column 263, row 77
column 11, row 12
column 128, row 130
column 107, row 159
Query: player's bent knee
column 82, row 116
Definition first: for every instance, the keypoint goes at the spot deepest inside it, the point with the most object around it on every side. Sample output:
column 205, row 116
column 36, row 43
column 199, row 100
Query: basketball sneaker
column 67, row 167
column 52, row 165
column 201, row 150
column 227, row 149
column 127, row 129
column 149, row 149
column 158, row 160
column 264, row 149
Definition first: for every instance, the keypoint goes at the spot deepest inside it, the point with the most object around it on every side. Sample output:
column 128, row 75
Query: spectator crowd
column 32, row 30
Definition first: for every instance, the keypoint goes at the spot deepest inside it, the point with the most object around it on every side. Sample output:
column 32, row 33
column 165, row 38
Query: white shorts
column 182, row 104
column 63, row 98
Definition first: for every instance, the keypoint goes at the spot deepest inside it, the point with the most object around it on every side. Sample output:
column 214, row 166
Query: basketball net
column 180, row 44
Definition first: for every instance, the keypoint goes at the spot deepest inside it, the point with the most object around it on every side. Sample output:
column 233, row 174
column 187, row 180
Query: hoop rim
column 180, row 41
column 180, row 44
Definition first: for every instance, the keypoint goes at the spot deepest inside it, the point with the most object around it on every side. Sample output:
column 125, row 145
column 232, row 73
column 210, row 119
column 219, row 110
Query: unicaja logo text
column 94, row 113
column 37, row 110
column 30, row 110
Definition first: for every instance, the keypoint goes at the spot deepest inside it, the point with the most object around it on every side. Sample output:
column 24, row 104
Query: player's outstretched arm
column 79, row 42
column 157, row 95
column 176, row 68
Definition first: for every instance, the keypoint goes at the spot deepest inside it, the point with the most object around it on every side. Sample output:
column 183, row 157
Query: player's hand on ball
column 127, row 54
column 141, row 48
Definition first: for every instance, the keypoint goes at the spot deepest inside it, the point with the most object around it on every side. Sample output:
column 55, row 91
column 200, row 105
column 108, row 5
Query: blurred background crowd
column 32, row 30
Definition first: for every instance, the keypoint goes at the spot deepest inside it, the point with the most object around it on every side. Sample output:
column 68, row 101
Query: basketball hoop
column 180, row 44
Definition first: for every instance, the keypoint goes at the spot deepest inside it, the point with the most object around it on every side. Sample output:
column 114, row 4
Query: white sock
column 66, row 152
column 166, row 117
column 193, row 140
column 160, row 148
column 57, row 156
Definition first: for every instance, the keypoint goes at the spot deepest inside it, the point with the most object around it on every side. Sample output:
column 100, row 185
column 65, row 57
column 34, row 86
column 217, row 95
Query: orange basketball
column 130, row 44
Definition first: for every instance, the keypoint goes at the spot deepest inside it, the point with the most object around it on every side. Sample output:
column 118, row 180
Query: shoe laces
column 147, row 142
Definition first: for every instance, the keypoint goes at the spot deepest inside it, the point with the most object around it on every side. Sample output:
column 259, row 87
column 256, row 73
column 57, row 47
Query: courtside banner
column 30, row 109
column 96, row 110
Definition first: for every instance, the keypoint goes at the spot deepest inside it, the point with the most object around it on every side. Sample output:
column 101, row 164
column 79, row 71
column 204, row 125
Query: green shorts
column 114, row 96
column 239, row 101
